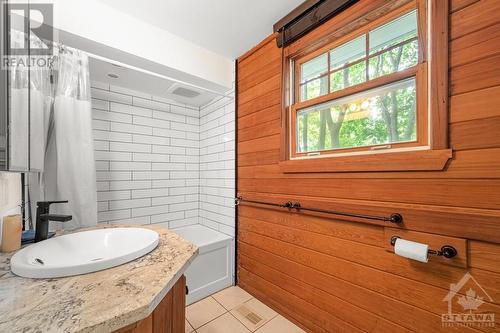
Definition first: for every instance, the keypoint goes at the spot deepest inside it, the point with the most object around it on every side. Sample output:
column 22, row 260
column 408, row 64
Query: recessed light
column 113, row 76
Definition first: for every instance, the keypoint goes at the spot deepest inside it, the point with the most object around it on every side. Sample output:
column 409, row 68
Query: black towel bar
column 394, row 218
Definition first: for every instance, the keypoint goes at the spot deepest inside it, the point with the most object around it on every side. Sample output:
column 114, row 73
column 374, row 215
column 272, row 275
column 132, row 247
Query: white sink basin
column 83, row 252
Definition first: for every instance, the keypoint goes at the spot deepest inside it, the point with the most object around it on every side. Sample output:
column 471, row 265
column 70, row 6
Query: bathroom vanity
column 144, row 295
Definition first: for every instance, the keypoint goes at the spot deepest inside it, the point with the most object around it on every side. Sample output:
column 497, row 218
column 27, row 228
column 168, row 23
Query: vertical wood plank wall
column 332, row 275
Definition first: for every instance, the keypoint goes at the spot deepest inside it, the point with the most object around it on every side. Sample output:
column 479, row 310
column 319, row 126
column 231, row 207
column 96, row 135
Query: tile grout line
column 226, row 310
column 215, row 299
column 215, row 317
column 229, row 311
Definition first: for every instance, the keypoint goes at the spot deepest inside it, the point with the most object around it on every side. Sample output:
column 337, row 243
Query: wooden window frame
column 430, row 151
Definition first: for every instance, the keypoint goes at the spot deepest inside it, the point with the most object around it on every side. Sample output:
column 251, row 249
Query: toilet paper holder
column 446, row 251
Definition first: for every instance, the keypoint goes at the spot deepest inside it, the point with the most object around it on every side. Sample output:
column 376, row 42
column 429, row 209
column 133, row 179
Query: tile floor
column 233, row 310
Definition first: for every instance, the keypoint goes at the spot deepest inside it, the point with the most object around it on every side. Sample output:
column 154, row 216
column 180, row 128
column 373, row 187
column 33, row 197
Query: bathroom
column 235, row 167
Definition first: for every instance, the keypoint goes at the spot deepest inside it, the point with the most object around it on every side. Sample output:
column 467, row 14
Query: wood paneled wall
column 337, row 275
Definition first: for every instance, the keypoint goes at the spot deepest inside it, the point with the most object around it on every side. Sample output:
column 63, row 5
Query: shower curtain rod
column 393, row 218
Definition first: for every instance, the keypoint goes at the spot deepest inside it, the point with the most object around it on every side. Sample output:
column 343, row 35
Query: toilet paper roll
column 411, row 250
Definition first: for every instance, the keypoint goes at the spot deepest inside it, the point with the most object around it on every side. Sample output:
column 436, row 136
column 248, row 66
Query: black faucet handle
column 46, row 204
column 56, row 217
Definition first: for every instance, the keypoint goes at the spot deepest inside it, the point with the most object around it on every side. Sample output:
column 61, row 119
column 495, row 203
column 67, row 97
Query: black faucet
column 43, row 217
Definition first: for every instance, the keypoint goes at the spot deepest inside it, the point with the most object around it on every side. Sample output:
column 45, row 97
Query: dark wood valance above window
column 306, row 17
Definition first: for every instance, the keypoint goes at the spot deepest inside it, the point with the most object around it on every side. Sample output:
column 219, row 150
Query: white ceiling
column 146, row 83
column 226, row 27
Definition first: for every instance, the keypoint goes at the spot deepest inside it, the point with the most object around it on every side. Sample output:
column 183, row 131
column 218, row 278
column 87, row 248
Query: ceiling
column 144, row 82
column 226, row 27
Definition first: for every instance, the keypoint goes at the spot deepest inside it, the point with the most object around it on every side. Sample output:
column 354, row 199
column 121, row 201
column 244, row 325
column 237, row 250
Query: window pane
column 394, row 60
column 348, row 52
column 398, row 37
column 314, row 68
column 313, row 84
column 314, row 88
column 348, row 76
column 380, row 116
column 399, row 30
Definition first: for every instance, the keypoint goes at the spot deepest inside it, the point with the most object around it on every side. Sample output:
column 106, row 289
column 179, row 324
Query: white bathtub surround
column 158, row 162
column 213, row 269
column 217, row 165
column 147, row 158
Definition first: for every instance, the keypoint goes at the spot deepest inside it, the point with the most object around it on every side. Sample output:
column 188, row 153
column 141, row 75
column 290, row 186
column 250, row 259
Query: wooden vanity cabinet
column 168, row 317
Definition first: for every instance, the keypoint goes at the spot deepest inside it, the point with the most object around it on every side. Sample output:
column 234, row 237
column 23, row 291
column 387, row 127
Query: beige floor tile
column 224, row 324
column 232, row 297
column 280, row 324
column 203, row 311
column 189, row 328
column 253, row 314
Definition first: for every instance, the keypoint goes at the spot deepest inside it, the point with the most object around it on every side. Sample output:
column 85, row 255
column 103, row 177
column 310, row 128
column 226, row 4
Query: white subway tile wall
column 164, row 163
column 217, row 165
column 147, row 158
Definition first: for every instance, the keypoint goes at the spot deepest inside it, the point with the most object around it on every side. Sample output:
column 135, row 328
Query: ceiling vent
column 185, row 92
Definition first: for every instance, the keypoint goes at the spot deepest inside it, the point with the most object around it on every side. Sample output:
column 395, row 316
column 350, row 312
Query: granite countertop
column 102, row 301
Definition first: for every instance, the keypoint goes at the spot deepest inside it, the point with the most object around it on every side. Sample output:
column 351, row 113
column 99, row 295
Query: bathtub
column 213, row 269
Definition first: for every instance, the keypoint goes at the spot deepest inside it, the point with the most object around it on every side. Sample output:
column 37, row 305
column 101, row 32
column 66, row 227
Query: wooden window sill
column 423, row 160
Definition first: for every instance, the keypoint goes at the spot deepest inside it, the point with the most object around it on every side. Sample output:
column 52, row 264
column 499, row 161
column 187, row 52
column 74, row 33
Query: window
column 384, row 115
column 364, row 91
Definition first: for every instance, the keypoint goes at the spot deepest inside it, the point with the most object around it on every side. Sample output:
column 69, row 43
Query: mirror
column 16, row 117
column 17, row 100
column 3, row 118
column 3, row 94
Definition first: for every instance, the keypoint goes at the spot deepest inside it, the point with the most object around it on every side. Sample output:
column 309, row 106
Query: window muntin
column 383, row 115
column 384, row 50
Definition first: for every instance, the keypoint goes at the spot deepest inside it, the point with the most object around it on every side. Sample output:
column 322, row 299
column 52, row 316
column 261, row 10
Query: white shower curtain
column 69, row 166
column 41, row 101
column 71, row 146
